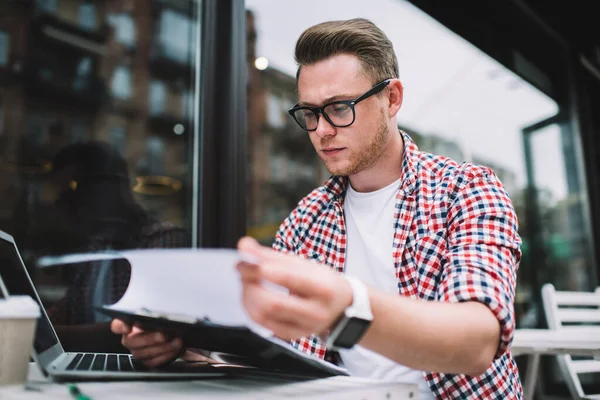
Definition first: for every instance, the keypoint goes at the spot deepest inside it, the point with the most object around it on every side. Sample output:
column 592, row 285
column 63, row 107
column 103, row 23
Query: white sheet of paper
column 199, row 283
column 206, row 282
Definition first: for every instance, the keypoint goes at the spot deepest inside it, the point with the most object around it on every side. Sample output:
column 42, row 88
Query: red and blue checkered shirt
column 455, row 239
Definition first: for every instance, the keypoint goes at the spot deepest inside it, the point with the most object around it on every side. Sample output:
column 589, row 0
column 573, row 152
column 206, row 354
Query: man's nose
column 324, row 128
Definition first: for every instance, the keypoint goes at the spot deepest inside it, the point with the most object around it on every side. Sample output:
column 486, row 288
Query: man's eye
column 309, row 115
column 339, row 108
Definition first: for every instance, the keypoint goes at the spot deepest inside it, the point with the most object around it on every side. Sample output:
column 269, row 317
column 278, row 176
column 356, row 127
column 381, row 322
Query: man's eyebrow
column 328, row 100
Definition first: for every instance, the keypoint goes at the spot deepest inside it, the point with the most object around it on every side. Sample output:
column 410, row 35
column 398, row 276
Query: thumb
column 119, row 327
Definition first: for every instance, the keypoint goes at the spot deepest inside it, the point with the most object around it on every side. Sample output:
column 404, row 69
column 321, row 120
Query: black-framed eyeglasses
column 338, row 113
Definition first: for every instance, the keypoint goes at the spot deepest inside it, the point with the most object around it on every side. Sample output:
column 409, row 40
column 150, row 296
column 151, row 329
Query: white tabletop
column 581, row 341
column 256, row 388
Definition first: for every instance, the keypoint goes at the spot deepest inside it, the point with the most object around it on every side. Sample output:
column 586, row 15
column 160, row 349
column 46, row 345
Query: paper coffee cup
column 18, row 319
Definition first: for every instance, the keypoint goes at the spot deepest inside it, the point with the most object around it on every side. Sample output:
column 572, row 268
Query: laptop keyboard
column 105, row 362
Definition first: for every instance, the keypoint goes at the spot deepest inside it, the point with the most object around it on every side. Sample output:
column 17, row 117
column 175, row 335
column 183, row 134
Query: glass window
column 73, row 184
column 1, row 119
column 4, row 48
column 87, row 15
column 36, row 126
column 277, row 169
column 121, row 82
column 274, row 111
column 48, row 6
column 124, row 27
column 156, row 148
column 83, row 73
column 78, row 132
column 118, row 138
column 158, row 97
column 175, row 34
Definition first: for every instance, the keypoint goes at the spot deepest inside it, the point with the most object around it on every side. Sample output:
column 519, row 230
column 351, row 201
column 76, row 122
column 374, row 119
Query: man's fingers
column 138, row 341
column 136, row 330
column 287, row 270
column 266, row 306
column 170, row 349
column 300, row 281
column 249, row 273
column 119, row 327
column 251, row 247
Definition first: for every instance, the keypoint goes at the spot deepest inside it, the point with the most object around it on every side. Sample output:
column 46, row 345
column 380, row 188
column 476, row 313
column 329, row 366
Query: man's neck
column 386, row 170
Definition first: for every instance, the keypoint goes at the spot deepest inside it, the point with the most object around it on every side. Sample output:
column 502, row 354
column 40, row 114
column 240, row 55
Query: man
column 423, row 251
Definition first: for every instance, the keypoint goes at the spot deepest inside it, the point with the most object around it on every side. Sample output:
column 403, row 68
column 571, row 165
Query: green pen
column 76, row 393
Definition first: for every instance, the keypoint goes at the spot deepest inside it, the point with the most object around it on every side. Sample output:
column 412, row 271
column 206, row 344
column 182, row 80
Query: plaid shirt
column 455, row 240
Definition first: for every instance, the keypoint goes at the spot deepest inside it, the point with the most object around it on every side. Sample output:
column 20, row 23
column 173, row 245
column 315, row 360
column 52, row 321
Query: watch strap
column 360, row 307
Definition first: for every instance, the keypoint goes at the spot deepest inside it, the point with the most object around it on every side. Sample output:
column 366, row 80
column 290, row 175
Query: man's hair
column 357, row 36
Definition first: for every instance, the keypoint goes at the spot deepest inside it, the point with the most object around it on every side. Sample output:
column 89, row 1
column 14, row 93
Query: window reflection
column 79, row 131
column 158, row 97
column 153, row 163
column 4, row 46
column 121, row 83
column 118, row 138
column 94, row 138
column 1, row 121
column 83, row 73
column 124, row 28
column 87, row 15
column 173, row 35
column 48, row 6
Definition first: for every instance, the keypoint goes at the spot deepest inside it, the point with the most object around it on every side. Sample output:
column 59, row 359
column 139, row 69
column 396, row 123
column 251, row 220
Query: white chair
column 563, row 309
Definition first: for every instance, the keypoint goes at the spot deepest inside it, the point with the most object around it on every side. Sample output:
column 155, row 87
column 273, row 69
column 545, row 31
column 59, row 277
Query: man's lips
column 332, row 150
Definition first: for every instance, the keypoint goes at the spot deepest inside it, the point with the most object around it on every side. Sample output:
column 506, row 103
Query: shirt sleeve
column 483, row 252
column 287, row 235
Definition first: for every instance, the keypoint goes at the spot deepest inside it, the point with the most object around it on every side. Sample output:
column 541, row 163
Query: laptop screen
column 16, row 280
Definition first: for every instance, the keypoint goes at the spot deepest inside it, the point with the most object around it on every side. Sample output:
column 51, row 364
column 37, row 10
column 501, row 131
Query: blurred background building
column 192, row 96
column 118, row 72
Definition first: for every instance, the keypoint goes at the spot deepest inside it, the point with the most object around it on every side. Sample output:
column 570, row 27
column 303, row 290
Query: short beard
column 370, row 154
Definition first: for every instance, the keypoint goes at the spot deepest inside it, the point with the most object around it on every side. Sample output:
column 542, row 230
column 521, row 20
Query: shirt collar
column 336, row 185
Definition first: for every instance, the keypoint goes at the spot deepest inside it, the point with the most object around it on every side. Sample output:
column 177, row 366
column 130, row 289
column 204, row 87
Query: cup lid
column 19, row 306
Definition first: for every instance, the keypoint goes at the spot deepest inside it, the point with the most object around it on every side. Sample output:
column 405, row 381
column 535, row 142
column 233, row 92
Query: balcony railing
column 70, row 33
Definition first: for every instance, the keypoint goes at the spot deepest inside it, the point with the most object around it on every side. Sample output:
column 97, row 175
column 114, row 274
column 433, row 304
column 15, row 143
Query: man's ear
column 395, row 96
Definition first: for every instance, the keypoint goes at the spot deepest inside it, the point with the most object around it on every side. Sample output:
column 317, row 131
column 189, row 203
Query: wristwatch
column 355, row 320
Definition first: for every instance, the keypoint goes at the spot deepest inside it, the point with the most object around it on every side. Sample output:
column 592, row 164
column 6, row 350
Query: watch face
column 352, row 332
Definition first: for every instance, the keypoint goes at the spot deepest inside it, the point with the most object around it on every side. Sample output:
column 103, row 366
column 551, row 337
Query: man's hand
column 152, row 348
column 318, row 295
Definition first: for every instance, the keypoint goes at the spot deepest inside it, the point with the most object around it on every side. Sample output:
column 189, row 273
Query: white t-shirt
column 370, row 230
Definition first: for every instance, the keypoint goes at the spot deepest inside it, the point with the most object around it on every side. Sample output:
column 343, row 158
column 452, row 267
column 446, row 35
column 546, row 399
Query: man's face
column 350, row 150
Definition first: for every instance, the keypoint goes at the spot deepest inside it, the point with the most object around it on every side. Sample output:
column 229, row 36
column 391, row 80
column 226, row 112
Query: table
column 348, row 388
column 572, row 340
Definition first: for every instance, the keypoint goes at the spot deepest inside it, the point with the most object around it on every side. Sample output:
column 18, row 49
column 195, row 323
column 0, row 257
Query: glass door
column 556, row 240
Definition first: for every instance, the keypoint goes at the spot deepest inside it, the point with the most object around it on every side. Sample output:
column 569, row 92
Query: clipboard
column 238, row 344
column 196, row 295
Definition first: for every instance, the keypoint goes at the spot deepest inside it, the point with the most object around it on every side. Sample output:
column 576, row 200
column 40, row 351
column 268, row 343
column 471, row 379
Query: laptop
column 59, row 365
